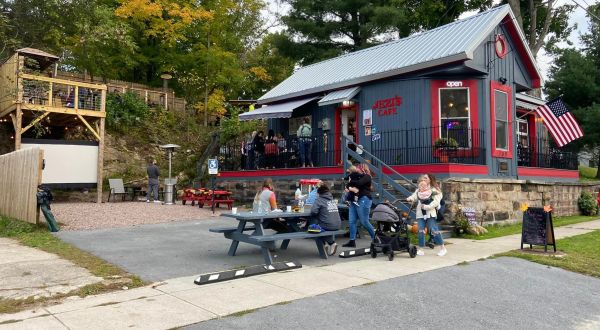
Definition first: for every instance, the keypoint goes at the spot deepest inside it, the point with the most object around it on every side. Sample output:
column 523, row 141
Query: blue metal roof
column 452, row 42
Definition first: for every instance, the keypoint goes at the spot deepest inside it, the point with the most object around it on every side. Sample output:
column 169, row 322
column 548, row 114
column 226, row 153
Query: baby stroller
column 391, row 233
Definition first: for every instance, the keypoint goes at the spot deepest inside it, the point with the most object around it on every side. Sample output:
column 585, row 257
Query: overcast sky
column 544, row 62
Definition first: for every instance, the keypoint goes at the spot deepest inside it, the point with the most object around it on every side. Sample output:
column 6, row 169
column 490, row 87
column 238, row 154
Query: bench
column 286, row 237
column 223, row 230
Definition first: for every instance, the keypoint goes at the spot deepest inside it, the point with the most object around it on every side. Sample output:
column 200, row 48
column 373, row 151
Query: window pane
column 501, row 136
column 454, row 102
column 500, row 106
column 523, row 127
column 457, row 129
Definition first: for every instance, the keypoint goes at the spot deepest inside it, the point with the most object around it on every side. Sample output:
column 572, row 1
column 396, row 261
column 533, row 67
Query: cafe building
column 449, row 101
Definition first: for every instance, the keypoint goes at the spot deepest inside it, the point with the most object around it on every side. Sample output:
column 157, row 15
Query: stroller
column 391, row 233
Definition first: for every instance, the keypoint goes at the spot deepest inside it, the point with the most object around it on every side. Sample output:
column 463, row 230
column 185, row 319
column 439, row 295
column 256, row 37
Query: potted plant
column 443, row 147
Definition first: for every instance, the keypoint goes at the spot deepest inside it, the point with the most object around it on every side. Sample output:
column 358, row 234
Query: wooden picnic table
column 255, row 222
column 220, row 197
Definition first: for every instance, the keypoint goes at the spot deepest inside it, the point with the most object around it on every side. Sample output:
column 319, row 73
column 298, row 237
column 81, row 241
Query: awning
column 339, row 96
column 282, row 110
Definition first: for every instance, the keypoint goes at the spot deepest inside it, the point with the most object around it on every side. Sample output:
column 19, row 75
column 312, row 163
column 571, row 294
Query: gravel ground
column 88, row 216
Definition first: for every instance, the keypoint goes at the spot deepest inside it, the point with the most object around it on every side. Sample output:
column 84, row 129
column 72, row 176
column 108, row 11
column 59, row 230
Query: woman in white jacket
column 428, row 197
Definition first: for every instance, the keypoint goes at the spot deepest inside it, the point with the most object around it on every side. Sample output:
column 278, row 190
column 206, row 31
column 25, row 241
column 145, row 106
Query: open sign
column 454, row 84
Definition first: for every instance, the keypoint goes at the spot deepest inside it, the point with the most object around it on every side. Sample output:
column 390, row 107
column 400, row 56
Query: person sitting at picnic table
column 265, row 201
column 325, row 212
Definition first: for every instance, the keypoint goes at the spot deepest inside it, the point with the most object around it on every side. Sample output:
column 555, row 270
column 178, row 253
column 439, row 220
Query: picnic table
column 220, row 197
column 254, row 223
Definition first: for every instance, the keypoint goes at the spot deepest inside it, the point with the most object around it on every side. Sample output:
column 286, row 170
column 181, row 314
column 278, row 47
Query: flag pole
column 528, row 112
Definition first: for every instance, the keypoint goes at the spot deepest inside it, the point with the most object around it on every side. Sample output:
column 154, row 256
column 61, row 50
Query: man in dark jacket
column 153, row 174
column 325, row 211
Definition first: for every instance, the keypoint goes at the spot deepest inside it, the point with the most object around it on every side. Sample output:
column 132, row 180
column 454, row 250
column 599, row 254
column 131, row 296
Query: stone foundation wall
column 498, row 201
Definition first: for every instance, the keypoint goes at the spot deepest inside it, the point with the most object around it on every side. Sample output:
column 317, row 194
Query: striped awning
column 339, row 96
column 282, row 110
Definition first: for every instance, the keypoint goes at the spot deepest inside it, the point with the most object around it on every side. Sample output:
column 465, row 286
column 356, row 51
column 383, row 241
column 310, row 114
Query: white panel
column 68, row 163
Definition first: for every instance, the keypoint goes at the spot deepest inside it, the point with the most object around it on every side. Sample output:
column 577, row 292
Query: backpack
column 271, row 149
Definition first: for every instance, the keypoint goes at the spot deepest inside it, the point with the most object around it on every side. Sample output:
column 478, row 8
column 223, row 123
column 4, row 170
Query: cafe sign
column 387, row 107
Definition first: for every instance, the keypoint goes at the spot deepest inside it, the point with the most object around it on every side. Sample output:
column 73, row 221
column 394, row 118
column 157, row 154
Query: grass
column 40, row 238
column 587, row 173
column 582, row 254
column 504, row 230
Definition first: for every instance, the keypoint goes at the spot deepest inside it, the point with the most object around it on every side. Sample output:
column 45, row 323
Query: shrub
column 125, row 110
column 587, row 204
column 461, row 223
column 446, row 143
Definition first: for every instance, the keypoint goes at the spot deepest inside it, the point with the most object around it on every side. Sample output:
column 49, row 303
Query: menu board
column 537, row 228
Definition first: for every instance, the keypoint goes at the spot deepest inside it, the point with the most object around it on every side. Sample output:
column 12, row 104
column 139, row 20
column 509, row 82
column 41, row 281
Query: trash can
column 169, row 193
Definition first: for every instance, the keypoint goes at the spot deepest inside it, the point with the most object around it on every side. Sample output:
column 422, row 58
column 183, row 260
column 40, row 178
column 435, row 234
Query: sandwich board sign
column 213, row 166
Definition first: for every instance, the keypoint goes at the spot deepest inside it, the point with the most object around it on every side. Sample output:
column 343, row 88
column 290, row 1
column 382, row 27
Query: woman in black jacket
column 259, row 149
column 360, row 212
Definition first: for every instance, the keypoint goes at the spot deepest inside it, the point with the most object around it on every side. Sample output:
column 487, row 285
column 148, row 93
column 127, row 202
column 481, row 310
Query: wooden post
column 18, row 124
column 76, row 105
column 166, row 101
column 101, row 149
column 50, row 95
column 146, row 97
column 40, row 175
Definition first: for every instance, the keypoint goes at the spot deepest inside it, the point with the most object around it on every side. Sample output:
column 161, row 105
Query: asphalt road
column 162, row 251
column 504, row 293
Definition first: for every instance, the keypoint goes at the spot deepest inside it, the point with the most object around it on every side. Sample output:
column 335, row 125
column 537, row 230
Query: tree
column 575, row 75
column 544, row 22
column 317, row 30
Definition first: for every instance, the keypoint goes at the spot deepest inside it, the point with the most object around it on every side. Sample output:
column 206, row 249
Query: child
column 425, row 197
column 353, row 176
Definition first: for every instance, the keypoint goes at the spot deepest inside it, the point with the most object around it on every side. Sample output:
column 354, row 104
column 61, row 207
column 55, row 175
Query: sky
column 544, row 61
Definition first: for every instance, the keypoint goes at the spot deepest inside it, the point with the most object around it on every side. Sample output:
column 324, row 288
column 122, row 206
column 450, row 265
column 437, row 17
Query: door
column 345, row 125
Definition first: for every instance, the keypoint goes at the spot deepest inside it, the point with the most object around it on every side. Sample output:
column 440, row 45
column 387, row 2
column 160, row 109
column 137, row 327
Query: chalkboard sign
column 537, row 228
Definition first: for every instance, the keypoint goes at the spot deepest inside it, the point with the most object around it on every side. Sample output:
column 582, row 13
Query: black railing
column 552, row 158
column 241, row 155
column 417, row 146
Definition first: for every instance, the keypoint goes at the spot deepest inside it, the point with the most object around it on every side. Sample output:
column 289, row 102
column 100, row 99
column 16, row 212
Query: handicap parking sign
column 213, row 166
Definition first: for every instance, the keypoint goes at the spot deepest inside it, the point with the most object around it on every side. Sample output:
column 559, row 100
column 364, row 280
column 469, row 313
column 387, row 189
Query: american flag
column 560, row 122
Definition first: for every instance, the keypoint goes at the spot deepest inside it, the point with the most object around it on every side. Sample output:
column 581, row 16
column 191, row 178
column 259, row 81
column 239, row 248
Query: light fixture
column 502, row 80
column 347, row 103
column 450, row 104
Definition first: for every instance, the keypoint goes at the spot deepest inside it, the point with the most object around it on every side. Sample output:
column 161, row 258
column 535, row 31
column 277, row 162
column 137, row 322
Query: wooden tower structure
column 30, row 93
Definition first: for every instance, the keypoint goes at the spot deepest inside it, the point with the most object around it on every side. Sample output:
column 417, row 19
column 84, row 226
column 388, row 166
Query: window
column 523, row 133
column 501, row 120
column 501, row 114
column 454, row 115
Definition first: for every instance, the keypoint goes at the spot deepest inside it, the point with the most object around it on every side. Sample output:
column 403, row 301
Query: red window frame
column 494, row 86
column 436, row 116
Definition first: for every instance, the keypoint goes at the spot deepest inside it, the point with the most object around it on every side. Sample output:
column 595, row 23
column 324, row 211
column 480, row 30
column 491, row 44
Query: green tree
column 575, row 75
column 317, row 30
column 545, row 23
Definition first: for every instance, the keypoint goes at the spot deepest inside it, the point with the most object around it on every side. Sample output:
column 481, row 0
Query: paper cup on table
column 288, row 208
column 234, row 210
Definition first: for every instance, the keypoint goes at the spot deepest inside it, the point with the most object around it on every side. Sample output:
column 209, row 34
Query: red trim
column 439, row 168
column 500, row 39
column 309, row 171
column 547, row 172
column 536, row 80
column 471, row 85
column 508, row 90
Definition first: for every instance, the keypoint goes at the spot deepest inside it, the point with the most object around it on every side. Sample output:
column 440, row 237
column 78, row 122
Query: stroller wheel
column 412, row 251
column 391, row 255
column 373, row 253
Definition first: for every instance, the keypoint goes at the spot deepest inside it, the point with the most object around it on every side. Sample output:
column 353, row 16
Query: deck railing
column 552, row 158
column 59, row 93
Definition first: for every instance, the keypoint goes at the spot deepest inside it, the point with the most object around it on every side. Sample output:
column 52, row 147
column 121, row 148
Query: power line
column 586, row 10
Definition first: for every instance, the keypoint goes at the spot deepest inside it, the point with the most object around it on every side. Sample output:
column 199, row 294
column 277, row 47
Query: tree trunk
column 598, row 166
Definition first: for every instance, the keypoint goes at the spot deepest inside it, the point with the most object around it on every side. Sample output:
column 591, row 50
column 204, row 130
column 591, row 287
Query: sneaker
column 420, row 252
column 356, row 203
column 332, row 249
column 315, row 229
column 442, row 252
column 351, row 243
column 147, row 201
column 157, row 202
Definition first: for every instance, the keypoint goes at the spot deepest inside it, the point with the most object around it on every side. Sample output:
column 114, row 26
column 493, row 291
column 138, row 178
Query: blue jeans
column 362, row 213
column 431, row 224
column 305, row 151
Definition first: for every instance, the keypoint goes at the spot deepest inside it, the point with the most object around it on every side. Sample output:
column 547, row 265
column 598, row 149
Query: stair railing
column 377, row 166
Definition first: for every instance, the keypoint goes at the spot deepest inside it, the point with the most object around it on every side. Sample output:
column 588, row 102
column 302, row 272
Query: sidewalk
column 178, row 302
